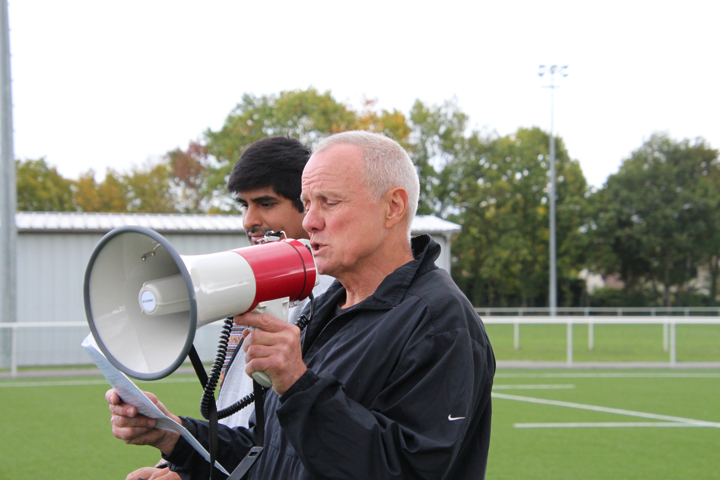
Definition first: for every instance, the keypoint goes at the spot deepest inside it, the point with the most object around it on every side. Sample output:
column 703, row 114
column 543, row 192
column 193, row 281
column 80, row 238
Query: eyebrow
column 264, row 198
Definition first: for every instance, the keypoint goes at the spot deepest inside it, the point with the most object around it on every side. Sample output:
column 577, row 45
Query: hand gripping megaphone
column 144, row 301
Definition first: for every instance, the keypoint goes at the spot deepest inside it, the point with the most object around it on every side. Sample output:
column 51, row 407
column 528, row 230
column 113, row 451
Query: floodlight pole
column 8, row 193
column 552, row 193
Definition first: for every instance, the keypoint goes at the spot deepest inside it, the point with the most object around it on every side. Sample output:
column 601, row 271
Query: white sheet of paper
column 132, row 395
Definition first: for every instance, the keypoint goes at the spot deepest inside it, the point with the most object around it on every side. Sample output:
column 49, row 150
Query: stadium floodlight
column 552, row 187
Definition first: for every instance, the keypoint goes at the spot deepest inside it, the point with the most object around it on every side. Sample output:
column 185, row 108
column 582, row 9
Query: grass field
column 546, row 425
column 58, row 428
column 605, row 424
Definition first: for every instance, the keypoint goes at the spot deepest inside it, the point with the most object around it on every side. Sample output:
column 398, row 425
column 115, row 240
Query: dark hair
column 275, row 162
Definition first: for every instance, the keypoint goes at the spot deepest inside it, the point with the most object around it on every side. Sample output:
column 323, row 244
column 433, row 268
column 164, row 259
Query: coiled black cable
column 211, row 385
column 209, row 390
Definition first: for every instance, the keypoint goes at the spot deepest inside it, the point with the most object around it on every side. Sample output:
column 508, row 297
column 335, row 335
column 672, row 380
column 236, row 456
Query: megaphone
column 144, row 301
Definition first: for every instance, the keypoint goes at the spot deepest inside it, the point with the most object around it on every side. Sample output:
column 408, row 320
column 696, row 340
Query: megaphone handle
column 262, row 378
column 278, row 309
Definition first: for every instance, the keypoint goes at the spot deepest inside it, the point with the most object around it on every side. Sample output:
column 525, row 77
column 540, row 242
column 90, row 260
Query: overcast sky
column 99, row 84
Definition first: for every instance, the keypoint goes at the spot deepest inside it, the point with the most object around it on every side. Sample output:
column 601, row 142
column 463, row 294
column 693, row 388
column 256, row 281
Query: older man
column 392, row 378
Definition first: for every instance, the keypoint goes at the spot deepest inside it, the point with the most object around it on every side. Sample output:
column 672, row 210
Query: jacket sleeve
column 413, row 428
column 233, row 444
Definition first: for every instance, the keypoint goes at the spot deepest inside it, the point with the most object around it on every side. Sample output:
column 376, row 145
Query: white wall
column 51, row 270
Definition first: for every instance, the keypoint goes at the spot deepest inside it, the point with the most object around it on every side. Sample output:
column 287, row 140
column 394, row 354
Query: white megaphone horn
column 144, row 301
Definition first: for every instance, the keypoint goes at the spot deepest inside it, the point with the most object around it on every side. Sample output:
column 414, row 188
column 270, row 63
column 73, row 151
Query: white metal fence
column 665, row 316
column 55, row 344
column 59, row 342
column 602, row 311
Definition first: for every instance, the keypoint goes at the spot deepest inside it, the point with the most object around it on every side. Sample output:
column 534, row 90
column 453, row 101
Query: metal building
column 53, row 251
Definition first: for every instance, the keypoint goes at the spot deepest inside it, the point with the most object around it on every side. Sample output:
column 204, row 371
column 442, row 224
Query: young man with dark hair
column 266, row 183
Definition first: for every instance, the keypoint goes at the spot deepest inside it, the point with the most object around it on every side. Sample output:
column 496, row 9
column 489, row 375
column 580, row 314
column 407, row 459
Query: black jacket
column 398, row 386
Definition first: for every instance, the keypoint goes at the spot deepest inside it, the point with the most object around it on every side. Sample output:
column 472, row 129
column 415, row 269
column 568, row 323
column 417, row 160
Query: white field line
column 79, row 383
column 534, row 387
column 594, row 408
column 604, row 424
column 610, row 375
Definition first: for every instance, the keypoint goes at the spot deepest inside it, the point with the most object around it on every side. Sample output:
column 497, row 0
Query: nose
column 312, row 221
column 251, row 218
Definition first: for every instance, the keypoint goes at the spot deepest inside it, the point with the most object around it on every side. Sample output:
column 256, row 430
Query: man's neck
column 360, row 284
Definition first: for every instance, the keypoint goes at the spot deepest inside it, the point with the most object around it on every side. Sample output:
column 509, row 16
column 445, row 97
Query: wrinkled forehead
column 337, row 168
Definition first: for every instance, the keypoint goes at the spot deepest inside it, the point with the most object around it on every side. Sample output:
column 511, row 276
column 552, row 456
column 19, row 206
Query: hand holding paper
column 134, row 428
column 132, row 395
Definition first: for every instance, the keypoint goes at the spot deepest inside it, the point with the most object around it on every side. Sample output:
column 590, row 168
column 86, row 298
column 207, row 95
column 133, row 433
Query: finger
column 112, row 397
column 130, row 435
column 124, row 410
column 269, row 364
column 139, row 421
column 138, row 435
column 263, row 321
column 164, row 474
column 256, row 366
column 241, row 320
column 260, row 337
column 261, row 350
column 145, row 472
column 152, row 397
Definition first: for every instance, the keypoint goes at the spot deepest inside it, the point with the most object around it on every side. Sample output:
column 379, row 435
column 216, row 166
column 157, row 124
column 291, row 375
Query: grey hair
column 386, row 165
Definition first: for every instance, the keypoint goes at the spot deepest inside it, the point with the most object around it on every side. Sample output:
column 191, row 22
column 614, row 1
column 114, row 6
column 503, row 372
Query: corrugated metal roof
column 163, row 222
column 104, row 222
column 433, row 224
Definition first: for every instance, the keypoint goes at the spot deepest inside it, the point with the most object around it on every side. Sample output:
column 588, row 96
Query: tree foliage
column 190, row 178
column 657, row 219
column 307, row 115
column 109, row 195
column 40, row 188
column 655, row 222
column 438, row 140
column 502, row 254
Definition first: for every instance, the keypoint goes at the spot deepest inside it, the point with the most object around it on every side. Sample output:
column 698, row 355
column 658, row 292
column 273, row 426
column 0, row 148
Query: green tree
column 307, row 115
column 40, row 188
column 502, row 193
column 303, row 114
column 149, row 189
column 393, row 123
column 657, row 220
column 144, row 189
column 438, row 140
column 108, row 196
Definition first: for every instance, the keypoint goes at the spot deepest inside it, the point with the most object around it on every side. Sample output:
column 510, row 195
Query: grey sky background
column 111, row 84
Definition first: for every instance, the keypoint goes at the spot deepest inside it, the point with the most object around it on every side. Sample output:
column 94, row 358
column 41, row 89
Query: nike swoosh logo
column 452, row 419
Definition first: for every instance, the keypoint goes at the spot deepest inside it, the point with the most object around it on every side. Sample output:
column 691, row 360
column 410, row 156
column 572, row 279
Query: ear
column 396, row 206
